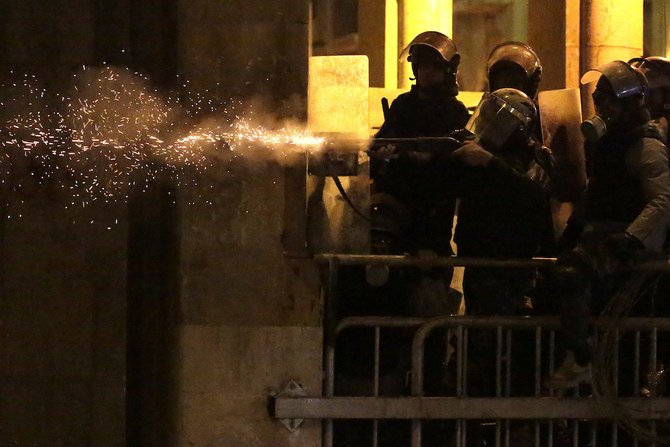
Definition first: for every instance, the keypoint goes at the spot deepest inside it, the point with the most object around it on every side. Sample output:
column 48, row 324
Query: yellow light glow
column 417, row 16
column 391, row 50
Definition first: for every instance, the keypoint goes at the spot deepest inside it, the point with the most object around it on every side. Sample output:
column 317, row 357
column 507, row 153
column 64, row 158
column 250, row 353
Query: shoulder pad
column 653, row 131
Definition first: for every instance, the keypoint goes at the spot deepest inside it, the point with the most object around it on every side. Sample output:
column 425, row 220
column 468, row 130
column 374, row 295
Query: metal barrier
column 546, row 413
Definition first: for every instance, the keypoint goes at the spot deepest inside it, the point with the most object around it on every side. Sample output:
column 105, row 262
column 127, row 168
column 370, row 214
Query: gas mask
column 594, row 128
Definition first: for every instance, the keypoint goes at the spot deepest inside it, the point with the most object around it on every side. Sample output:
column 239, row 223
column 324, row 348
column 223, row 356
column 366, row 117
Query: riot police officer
column 411, row 213
column 624, row 213
column 429, row 109
column 504, row 212
column 504, row 190
column 657, row 71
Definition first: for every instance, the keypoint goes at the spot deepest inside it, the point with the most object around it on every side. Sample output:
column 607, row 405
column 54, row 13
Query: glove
column 462, row 135
column 621, row 250
column 573, row 270
column 386, row 153
column 472, row 154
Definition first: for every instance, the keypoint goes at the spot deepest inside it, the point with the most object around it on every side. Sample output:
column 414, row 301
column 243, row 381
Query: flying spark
column 113, row 133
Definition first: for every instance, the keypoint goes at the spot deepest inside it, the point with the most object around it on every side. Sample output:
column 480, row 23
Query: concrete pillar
column 547, row 36
column 378, row 40
column 416, row 16
column 572, row 27
column 655, row 35
column 250, row 49
column 322, row 15
column 520, row 20
column 250, row 316
column 610, row 30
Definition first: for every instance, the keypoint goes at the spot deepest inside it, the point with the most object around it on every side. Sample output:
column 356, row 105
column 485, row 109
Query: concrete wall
column 245, row 48
column 49, row 38
column 62, row 325
column 250, row 317
column 173, row 326
column 63, row 278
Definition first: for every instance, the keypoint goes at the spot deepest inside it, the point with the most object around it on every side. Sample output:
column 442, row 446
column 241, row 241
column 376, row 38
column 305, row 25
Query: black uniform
column 413, row 116
column 415, row 183
column 628, row 192
column 419, row 184
column 504, row 213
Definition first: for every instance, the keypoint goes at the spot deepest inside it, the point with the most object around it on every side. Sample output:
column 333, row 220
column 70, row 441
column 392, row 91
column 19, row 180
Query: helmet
column 514, row 56
column 626, row 81
column 618, row 83
column 657, row 71
column 439, row 42
column 500, row 114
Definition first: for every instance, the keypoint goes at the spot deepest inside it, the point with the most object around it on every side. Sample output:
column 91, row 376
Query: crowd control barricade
column 579, row 416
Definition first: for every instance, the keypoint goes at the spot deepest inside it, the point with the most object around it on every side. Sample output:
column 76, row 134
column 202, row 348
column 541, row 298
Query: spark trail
column 112, row 131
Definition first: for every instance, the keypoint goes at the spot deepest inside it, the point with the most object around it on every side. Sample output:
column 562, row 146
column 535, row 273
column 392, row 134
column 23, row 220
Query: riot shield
column 561, row 117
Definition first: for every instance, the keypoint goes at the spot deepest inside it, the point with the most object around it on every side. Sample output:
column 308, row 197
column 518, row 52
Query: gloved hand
column 620, row 250
column 387, row 153
column 573, row 270
column 472, row 154
column 462, row 135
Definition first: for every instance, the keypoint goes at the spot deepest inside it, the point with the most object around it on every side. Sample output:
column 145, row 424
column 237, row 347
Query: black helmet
column 657, row 71
column 438, row 42
column 624, row 84
column 514, row 56
column 500, row 114
column 626, row 81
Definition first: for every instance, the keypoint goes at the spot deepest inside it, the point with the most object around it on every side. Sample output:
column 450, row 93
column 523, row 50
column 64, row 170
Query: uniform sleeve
column 649, row 160
column 507, row 181
column 462, row 116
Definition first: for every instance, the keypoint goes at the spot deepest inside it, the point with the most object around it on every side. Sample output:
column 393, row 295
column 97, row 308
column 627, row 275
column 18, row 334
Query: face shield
column 499, row 115
column 518, row 53
column 435, row 40
column 625, row 80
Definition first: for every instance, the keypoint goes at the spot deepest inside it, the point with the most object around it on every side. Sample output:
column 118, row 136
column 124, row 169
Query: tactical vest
column 614, row 192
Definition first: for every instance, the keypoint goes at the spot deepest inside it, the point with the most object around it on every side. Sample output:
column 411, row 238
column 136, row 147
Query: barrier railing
column 548, row 413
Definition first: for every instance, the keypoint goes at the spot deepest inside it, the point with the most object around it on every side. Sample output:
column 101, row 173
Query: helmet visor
column 494, row 121
column 518, row 53
column 435, row 40
column 621, row 76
